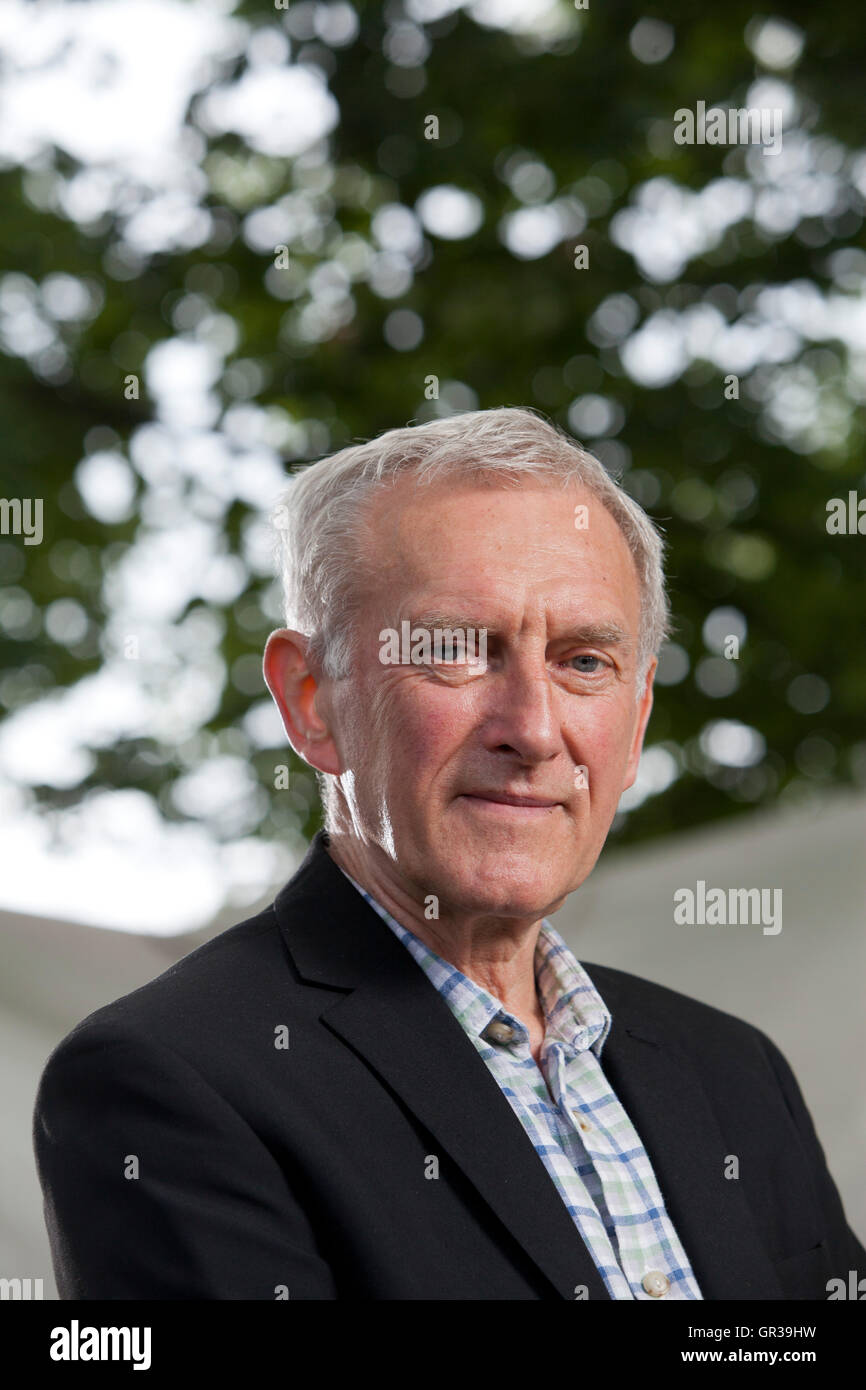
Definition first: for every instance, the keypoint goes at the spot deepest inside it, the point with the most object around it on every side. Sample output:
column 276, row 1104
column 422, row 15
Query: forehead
column 478, row 537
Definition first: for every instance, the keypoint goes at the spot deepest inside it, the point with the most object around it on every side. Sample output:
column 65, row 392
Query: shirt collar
column 576, row 1014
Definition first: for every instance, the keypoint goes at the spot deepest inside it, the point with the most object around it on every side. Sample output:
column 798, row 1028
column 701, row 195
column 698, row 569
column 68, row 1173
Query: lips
column 507, row 799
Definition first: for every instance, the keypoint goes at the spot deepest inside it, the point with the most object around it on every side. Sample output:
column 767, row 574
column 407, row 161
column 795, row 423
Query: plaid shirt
column 578, row 1128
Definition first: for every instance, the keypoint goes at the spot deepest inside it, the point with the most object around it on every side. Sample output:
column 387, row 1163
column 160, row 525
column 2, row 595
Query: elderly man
column 397, row 1082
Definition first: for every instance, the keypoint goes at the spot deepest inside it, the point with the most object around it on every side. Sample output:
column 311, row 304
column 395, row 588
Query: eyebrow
column 600, row 634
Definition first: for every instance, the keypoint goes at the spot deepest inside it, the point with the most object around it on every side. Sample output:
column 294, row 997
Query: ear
column 642, row 714
column 294, row 686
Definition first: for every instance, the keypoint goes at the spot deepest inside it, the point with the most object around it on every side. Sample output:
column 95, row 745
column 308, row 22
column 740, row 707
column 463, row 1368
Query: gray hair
column 321, row 520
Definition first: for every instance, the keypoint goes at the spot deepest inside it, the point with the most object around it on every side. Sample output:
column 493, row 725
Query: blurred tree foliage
column 566, row 120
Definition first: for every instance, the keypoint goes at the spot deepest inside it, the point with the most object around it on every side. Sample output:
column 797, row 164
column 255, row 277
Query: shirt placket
column 616, row 1184
column 601, row 1247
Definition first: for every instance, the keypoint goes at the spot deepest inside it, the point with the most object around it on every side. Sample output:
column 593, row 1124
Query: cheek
column 603, row 738
column 404, row 735
column 433, row 731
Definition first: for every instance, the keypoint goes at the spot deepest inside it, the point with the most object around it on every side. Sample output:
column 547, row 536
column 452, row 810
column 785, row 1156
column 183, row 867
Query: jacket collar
column 388, row 1011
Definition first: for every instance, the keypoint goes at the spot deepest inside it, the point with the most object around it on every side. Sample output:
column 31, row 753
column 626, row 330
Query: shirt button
column 499, row 1032
column 655, row 1283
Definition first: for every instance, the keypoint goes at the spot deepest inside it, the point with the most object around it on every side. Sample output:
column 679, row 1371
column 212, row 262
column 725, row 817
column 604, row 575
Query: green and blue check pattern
column 577, row 1126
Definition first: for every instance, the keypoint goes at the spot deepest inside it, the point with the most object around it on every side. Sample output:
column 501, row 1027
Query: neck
column 496, row 953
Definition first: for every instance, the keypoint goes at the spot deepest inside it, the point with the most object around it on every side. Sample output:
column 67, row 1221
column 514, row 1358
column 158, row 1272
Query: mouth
column 503, row 803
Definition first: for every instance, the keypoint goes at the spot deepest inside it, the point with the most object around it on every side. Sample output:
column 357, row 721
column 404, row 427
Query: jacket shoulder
column 233, row 970
column 667, row 1010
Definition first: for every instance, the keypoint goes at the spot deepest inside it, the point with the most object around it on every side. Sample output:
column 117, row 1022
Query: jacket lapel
column 398, row 1022
column 662, row 1093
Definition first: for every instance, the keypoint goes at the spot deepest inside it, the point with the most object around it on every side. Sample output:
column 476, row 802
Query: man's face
column 553, row 714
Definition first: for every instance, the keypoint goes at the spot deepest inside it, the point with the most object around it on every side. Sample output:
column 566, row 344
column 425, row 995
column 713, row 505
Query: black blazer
column 185, row 1152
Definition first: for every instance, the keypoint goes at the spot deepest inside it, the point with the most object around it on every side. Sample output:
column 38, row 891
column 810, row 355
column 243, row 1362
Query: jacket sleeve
column 845, row 1249
column 156, row 1188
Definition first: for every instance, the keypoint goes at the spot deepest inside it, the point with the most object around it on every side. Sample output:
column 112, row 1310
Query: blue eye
column 586, row 656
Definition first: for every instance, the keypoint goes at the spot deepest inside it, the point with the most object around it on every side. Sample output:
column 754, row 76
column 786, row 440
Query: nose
column 522, row 714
